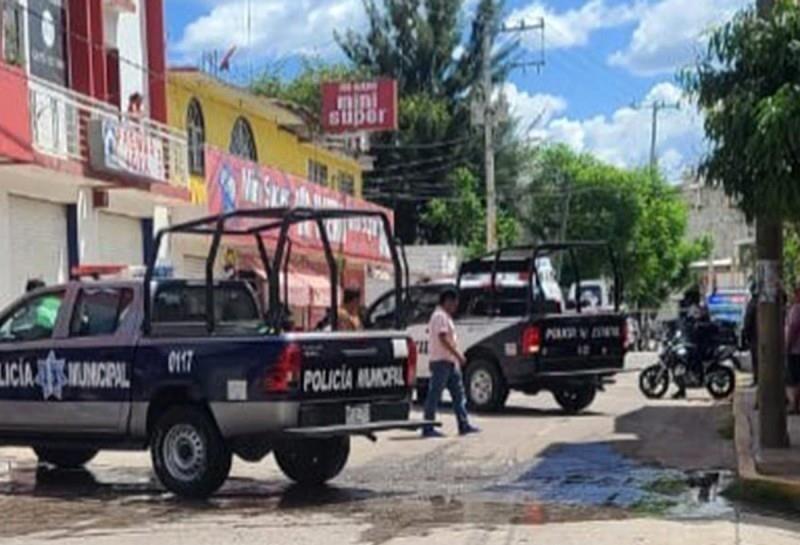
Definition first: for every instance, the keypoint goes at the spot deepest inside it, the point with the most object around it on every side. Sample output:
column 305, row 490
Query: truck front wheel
column 189, row 455
column 313, row 462
column 65, row 458
column 574, row 399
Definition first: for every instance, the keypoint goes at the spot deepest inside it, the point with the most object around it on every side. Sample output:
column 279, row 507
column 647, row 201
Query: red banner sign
column 359, row 106
column 236, row 184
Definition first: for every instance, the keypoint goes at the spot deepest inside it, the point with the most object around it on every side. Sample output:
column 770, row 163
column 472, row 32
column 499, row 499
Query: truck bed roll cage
column 267, row 220
column 523, row 259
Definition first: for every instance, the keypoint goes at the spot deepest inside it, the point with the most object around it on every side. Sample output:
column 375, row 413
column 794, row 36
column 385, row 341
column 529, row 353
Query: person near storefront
column 34, row 284
column 750, row 331
column 446, row 361
column 793, row 353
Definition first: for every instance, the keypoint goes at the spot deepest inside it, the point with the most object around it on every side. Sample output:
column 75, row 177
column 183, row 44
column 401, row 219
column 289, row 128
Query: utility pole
column 657, row 107
column 769, row 250
column 489, row 117
column 488, row 142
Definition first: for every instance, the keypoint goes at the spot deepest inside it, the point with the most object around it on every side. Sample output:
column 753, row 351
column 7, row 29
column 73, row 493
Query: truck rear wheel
column 485, row 387
column 574, row 399
column 189, row 455
column 313, row 462
column 65, row 458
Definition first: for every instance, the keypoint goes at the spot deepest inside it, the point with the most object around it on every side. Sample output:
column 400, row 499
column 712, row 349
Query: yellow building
column 266, row 131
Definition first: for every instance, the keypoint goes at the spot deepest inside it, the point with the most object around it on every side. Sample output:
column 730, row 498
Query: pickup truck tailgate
column 355, row 366
column 581, row 343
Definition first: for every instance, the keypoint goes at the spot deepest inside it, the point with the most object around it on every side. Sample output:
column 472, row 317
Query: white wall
column 5, row 250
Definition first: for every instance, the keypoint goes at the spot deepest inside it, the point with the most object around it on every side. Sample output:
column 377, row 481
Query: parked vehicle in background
column 516, row 331
column 197, row 372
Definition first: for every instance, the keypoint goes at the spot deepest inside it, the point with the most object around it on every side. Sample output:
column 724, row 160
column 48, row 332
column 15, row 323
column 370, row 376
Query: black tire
column 484, row 387
column 720, row 382
column 189, row 455
column 654, row 382
column 313, row 462
column 574, row 399
column 65, row 458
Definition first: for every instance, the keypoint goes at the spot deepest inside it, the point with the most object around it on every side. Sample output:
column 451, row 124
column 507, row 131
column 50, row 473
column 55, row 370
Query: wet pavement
column 531, row 471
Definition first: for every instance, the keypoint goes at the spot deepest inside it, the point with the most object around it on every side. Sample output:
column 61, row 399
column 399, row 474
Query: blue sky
column 601, row 57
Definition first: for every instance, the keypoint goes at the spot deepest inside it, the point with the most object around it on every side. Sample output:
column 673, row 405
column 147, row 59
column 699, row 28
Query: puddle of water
column 596, row 475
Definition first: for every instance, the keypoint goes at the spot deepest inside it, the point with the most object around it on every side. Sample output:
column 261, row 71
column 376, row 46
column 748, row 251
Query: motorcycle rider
column 697, row 327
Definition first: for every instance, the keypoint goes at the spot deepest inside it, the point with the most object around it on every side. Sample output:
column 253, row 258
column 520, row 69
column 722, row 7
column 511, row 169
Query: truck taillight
column 284, row 375
column 531, row 340
column 411, row 367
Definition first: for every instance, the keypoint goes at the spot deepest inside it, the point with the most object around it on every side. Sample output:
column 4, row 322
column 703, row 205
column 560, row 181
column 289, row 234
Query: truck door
column 31, row 372
column 98, row 351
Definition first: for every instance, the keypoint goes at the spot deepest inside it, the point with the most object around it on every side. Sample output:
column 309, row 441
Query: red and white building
column 88, row 166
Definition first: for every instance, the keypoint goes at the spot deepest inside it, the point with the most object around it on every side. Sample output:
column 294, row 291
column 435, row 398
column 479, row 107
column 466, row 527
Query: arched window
column 243, row 144
column 196, row 133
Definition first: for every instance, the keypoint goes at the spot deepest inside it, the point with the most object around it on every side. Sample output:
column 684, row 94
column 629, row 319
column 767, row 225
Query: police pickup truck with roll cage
column 88, row 366
column 516, row 328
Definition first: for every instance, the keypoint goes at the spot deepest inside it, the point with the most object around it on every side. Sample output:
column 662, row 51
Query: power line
column 432, row 145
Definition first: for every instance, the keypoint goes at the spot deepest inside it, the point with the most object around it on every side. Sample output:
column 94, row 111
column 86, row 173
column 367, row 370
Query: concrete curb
column 747, row 450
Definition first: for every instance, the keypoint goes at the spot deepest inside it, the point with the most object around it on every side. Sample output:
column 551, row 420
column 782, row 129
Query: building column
column 162, row 220
column 6, row 294
column 156, row 59
column 88, row 225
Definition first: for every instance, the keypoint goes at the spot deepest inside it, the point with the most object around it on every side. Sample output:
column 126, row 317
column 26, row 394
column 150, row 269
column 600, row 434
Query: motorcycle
column 716, row 372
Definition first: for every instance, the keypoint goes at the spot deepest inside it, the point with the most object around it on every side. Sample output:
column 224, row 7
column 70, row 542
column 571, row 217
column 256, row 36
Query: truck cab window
column 181, row 303
column 100, row 312
column 34, row 320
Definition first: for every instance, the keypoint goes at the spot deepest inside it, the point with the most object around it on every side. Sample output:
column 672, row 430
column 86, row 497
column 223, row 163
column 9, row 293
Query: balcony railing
column 71, row 126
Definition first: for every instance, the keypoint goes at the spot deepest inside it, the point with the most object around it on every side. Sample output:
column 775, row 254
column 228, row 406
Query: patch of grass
column 764, row 494
column 653, row 507
column 727, row 427
column 667, row 486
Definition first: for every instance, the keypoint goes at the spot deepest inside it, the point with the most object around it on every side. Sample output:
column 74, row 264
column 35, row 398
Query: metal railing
column 71, row 126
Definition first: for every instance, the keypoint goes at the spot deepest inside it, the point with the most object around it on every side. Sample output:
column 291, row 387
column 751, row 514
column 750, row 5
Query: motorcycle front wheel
column 654, row 381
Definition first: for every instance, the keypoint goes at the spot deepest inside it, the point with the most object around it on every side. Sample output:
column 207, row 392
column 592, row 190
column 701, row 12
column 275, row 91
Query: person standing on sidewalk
column 750, row 331
column 793, row 353
column 446, row 361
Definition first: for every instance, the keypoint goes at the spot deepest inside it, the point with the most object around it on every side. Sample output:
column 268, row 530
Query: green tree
column 462, row 219
column 747, row 85
column 304, row 89
column 575, row 196
column 424, row 45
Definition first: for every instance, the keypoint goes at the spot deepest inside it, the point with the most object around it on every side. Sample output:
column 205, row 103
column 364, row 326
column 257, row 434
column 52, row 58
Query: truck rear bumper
column 323, row 418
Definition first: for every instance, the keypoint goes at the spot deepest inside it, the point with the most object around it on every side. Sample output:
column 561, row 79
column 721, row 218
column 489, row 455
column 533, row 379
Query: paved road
column 627, row 472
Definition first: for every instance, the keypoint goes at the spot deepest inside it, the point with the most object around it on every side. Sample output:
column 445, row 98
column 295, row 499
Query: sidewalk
column 778, row 467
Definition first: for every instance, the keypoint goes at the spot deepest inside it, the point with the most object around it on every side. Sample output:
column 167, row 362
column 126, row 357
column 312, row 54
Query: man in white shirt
column 446, row 361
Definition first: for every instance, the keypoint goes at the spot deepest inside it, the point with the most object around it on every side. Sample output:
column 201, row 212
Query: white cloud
column 278, row 27
column 671, row 32
column 623, row 138
column 535, row 110
column 574, row 27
